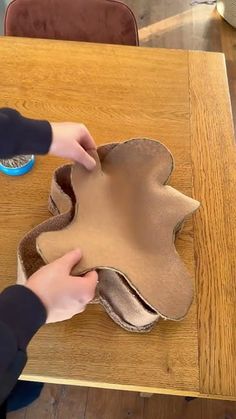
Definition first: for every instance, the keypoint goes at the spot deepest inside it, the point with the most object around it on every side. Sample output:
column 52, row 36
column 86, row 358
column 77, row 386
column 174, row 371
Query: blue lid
column 17, row 171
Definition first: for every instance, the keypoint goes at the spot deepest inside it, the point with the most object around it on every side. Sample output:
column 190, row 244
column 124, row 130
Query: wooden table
column 181, row 98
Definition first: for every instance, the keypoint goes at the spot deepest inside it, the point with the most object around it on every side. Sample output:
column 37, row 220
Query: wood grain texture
column 217, row 409
column 106, row 405
column 165, row 407
column 118, row 93
column 214, row 175
column 60, row 402
column 122, row 92
column 178, row 24
column 55, row 401
column 201, row 28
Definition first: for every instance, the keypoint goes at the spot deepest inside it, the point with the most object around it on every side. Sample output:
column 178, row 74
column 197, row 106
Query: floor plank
column 166, row 407
column 61, row 402
column 56, row 401
column 218, row 409
column 111, row 404
column 72, row 403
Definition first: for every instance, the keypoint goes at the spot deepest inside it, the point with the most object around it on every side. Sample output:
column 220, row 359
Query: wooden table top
column 182, row 99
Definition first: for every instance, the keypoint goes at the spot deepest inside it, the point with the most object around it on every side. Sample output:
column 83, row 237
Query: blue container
column 23, row 166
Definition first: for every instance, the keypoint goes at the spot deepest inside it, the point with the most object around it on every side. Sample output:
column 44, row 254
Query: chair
column 103, row 21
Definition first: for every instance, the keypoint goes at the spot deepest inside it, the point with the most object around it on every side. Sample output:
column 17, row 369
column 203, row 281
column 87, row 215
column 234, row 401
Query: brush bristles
column 15, row 162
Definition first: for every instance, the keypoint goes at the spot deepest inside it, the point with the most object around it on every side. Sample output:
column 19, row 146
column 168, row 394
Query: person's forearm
column 20, row 135
column 21, row 315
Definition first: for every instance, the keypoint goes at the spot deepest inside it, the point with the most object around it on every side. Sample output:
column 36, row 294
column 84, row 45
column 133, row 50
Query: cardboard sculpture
column 124, row 218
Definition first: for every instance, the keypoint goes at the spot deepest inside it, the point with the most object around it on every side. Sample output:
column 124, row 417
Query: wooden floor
column 165, row 24
column 63, row 402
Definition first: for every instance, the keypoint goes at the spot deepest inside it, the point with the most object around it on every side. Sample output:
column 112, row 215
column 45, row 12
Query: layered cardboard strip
column 123, row 216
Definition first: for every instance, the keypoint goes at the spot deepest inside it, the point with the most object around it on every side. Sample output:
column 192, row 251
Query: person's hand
column 63, row 295
column 73, row 141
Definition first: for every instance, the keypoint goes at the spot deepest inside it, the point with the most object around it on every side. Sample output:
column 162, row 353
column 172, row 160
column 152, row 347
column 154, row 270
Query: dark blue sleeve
column 21, row 315
column 21, row 311
column 20, row 135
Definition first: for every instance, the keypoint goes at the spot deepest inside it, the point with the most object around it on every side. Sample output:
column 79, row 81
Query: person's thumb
column 85, row 286
column 70, row 259
column 91, row 277
column 84, row 158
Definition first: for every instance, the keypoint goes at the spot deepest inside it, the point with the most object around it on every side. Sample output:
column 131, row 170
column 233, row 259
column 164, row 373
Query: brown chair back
column 103, row 21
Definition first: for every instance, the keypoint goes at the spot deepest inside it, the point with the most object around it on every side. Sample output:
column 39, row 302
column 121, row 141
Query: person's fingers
column 84, row 158
column 70, row 259
column 86, row 140
column 84, row 287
